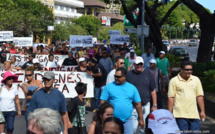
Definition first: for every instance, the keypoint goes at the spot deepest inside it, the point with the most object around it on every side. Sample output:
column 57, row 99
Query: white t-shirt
column 51, row 64
column 110, row 77
column 7, row 98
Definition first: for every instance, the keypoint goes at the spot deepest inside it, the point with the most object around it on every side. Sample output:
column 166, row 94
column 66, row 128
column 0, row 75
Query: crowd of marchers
column 132, row 94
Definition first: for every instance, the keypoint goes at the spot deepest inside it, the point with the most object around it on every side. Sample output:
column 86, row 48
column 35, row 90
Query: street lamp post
column 142, row 36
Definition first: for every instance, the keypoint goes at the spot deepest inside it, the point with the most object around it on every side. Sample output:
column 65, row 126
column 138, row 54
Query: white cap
column 153, row 61
column 162, row 52
column 35, row 61
column 132, row 50
column 81, row 59
column 138, row 60
column 162, row 122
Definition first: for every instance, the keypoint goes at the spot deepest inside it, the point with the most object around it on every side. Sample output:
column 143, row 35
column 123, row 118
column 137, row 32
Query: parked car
column 180, row 52
column 167, row 44
column 193, row 42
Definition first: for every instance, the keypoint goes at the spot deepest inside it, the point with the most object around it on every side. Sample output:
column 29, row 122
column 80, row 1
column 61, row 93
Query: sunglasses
column 140, row 64
column 28, row 75
column 44, row 79
column 122, row 63
column 10, row 78
column 116, row 76
column 188, row 69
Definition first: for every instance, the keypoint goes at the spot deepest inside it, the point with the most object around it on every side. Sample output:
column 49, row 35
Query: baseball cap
column 162, row 52
column 153, row 61
column 81, row 59
column 138, row 60
column 162, row 122
column 49, row 75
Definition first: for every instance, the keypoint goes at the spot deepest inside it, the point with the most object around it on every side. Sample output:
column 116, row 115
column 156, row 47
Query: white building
column 64, row 9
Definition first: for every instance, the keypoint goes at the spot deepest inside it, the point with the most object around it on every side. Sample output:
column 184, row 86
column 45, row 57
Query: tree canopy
column 90, row 23
column 25, row 17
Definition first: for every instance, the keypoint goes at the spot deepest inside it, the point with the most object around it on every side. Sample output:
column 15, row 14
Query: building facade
column 64, row 9
column 109, row 14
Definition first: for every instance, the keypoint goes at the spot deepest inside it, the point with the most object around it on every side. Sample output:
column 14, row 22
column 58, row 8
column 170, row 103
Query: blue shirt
column 121, row 97
column 54, row 100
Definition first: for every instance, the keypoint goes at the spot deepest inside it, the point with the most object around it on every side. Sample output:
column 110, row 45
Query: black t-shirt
column 144, row 82
column 99, row 81
column 70, row 62
column 72, row 107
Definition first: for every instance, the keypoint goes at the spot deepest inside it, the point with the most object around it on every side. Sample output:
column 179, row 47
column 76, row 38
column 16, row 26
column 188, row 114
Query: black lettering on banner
column 62, row 69
column 56, row 58
column 2, row 74
column 56, row 85
column 45, row 59
column 65, row 88
column 9, row 57
column 69, row 78
column 62, row 79
column 78, row 76
column 18, row 58
column 25, row 58
column 40, row 58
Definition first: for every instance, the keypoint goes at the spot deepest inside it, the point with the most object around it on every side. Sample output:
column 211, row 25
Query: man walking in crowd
column 119, row 62
column 49, row 97
column 145, row 83
column 99, row 74
column 106, row 61
column 70, row 61
column 163, row 65
column 122, row 95
column 184, row 94
column 147, row 57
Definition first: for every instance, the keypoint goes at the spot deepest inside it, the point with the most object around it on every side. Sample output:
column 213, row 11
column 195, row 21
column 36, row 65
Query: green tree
column 207, row 21
column 25, row 17
column 90, row 23
column 103, row 33
column 63, row 31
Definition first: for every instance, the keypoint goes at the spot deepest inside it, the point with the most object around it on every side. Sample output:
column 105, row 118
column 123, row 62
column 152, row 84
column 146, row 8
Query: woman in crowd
column 9, row 100
column 104, row 111
column 113, row 125
column 31, row 86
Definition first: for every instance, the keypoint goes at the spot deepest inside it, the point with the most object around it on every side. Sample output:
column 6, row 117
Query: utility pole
column 142, row 36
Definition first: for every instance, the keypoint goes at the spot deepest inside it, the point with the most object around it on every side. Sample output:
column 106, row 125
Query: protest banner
column 23, row 41
column 21, row 59
column 81, row 41
column 114, row 32
column 119, row 39
column 65, row 82
column 62, row 68
column 6, row 36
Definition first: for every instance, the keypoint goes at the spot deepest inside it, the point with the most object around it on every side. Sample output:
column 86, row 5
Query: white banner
column 21, row 59
column 64, row 82
column 119, row 39
column 81, row 41
column 6, row 36
column 23, row 41
column 62, row 68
